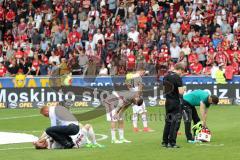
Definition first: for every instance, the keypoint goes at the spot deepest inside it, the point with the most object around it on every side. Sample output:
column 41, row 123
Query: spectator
column 54, row 58
column 133, row 34
column 54, row 72
column 3, row 70
column 175, row 52
column 201, row 52
column 91, row 68
column 101, row 28
column 225, row 27
column 98, row 37
column 121, row 11
column 83, row 61
column 36, row 38
column 63, row 67
column 103, row 70
column 220, row 77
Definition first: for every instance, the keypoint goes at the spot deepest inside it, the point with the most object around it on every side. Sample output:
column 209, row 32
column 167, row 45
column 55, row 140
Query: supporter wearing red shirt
column 185, row 27
column 235, row 65
column 44, row 59
column 196, row 68
column 131, row 61
column 229, row 70
column 230, row 54
column 35, row 65
column 109, row 36
column 210, row 59
column 19, row 54
column 74, row 37
column 59, row 51
column 196, row 38
column 10, row 16
column 58, row 8
column 236, row 53
column 3, row 70
column 164, row 55
column 146, row 52
column 161, row 59
column 207, row 70
column 2, row 13
column 221, row 57
column 154, row 54
column 192, row 58
column 205, row 40
column 118, row 22
column 210, row 13
column 231, row 20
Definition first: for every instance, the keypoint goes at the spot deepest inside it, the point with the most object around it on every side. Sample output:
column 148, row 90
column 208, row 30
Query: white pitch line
column 211, row 145
column 18, row 117
column 6, row 149
column 103, row 137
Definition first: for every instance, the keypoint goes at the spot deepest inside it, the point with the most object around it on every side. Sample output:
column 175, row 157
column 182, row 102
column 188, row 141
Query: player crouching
column 140, row 110
column 134, row 84
column 85, row 138
column 115, row 105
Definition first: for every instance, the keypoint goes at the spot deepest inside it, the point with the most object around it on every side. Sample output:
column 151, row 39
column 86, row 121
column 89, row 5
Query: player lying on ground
column 116, row 104
column 134, row 83
column 190, row 101
column 85, row 138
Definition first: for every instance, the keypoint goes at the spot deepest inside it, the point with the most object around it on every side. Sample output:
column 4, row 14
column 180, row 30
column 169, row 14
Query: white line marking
column 18, row 117
column 211, row 145
column 5, row 149
column 151, row 130
column 103, row 137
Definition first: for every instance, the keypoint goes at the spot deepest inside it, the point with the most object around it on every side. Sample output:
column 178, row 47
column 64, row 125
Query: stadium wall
column 108, row 81
column 90, row 96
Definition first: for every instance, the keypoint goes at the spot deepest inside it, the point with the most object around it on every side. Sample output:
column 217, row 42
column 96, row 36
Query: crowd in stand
column 112, row 37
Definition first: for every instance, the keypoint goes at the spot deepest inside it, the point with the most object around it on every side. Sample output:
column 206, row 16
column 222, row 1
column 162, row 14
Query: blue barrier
column 8, row 82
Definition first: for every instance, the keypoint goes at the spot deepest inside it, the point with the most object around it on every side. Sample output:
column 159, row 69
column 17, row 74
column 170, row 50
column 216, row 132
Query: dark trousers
column 172, row 122
column 189, row 114
column 61, row 134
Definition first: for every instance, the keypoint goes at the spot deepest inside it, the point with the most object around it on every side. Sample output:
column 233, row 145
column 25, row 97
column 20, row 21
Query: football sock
column 135, row 120
column 92, row 135
column 121, row 134
column 113, row 134
column 144, row 120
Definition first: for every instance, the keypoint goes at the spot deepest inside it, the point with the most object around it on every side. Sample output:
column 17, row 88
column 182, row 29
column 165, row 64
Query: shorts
column 112, row 105
column 80, row 139
column 111, row 116
column 139, row 109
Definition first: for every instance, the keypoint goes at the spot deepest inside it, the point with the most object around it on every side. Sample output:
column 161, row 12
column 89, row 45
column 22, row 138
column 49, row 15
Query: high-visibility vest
column 220, row 79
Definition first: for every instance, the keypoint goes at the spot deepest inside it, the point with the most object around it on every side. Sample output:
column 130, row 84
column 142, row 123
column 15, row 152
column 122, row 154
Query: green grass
column 223, row 122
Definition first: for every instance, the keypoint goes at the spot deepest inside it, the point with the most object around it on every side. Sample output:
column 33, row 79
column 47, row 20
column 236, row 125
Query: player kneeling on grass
column 115, row 105
column 190, row 101
column 84, row 138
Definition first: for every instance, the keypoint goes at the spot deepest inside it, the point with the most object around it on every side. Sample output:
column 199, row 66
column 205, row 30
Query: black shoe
column 164, row 145
column 172, row 146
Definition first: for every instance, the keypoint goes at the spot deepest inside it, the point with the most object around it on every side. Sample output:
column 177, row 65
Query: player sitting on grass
column 134, row 83
column 114, row 103
column 190, row 101
column 84, row 138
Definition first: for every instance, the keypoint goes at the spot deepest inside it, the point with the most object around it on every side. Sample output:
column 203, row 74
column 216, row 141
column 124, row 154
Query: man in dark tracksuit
column 173, row 90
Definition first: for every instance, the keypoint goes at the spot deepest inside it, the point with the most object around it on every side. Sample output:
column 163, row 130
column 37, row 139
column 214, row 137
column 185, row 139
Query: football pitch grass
column 222, row 120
